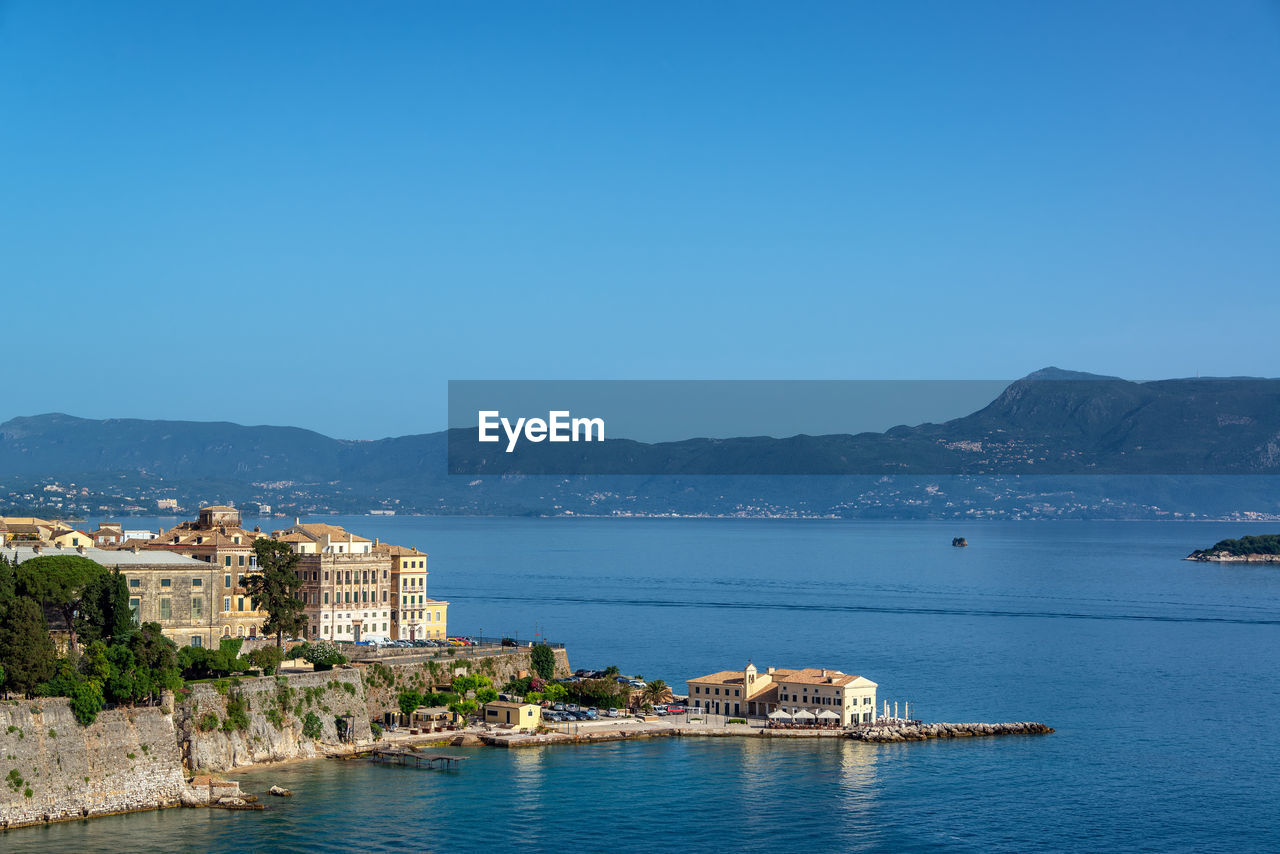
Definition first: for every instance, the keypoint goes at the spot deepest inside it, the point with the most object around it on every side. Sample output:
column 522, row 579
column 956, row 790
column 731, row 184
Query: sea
column 1160, row 676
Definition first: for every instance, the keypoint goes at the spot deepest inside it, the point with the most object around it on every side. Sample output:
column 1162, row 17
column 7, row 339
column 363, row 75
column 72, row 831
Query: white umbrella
column 779, row 716
column 805, row 714
column 828, row 715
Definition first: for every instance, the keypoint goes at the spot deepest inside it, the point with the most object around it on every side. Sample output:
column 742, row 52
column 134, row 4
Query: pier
column 405, row 757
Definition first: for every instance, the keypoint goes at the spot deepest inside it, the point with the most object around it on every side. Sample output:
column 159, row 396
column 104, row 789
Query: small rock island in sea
column 1260, row 549
column 959, row 542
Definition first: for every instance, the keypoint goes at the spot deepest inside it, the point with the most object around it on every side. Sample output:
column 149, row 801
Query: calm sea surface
column 1161, row 677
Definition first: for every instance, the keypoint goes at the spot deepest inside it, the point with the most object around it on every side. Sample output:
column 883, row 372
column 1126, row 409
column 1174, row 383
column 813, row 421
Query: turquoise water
column 1159, row 675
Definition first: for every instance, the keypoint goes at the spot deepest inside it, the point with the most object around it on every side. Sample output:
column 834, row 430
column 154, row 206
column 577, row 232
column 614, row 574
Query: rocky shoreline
column 924, row 732
column 1228, row 557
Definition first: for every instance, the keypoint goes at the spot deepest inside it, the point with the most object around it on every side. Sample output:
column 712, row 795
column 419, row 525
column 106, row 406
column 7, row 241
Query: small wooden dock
column 417, row 760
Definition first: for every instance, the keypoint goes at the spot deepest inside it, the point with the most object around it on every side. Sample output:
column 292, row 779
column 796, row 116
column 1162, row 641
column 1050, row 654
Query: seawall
column 275, row 709
column 54, row 769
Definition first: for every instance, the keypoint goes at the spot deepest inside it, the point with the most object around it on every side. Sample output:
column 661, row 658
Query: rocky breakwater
column 1228, row 557
column 923, row 732
column 54, row 769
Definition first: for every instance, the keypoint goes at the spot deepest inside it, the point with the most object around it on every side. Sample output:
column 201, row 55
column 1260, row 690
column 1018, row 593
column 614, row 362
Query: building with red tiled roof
column 750, row 693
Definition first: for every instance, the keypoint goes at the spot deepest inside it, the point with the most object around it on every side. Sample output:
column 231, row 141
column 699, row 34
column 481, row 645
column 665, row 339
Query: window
column 240, row 603
column 326, row 597
column 197, row 607
column 197, row 641
column 241, row 560
column 226, row 581
column 197, row 582
column 135, row 582
column 135, row 605
column 226, row 603
column 384, row 595
column 228, row 560
column 166, row 608
column 164, row 582
column 236, row 540
column 240, row 581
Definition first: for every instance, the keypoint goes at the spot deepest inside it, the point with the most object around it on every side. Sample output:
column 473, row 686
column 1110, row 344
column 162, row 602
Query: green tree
column 486, row 695
column 61, row 582
column 656, row 691
column 157, row 662
column 267, row 658
column 274, row 589
column 612, row 671
column 543, row 660
column 25, row 647
column 104, row 609
column 409, row 701
column 86, row 701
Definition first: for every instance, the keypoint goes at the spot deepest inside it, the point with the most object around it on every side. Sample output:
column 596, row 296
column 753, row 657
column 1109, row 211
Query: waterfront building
column 216, row 538
column 175, row 590
column 750, row 693
column 414, row 616
column 527, row 716
column 345, row 584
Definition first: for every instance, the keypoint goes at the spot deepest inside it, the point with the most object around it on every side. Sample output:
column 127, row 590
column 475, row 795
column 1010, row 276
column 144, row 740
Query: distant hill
column 1051, row 422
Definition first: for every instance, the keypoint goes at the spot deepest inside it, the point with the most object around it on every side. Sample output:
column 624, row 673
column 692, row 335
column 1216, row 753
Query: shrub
column 86, row 702
column 208, row 722
column 376, row 728
column 237, row 715
column 311, row 726
column 736, row 721
column 276, row 718
column 323, row 655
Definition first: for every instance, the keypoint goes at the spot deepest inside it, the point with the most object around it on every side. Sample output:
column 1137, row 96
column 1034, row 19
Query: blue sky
column 260, row 212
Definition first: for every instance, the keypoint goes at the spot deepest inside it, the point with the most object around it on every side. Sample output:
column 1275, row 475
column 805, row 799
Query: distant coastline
column 1264, row 548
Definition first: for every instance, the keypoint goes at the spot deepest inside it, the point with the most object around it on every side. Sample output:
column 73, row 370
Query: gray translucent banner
column 1049, row 423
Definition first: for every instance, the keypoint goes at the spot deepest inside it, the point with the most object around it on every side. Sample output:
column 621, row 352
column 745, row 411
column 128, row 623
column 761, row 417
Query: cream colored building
column 527, row 716
column 217, row 538
column 750, row 693
column 70, row 538
column 414, row 616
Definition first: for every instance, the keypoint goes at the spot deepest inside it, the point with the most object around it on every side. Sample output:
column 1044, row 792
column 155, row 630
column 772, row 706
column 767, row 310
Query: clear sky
column 317, row 213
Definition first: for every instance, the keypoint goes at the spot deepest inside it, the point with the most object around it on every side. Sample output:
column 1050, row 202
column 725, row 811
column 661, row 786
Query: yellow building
column 526, row 716
column 413, row 615
column 70, row 538
column 749, row 693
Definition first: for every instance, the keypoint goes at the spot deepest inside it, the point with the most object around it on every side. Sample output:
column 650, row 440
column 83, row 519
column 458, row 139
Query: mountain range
column 1118, row 448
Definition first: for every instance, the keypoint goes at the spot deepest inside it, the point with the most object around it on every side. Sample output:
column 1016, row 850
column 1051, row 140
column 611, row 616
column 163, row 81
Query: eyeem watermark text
column 558, row 426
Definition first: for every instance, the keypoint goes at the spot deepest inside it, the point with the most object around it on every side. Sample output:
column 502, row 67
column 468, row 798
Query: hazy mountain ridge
column 1050, row 422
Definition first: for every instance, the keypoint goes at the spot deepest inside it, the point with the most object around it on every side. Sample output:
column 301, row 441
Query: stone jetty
column 923, row 731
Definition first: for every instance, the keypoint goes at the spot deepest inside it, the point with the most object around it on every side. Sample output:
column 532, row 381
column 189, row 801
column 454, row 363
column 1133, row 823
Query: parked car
column 573, row 707
column 613, row 713
column 592, row 714
column 558, row 707
column 509, row 642
column 676, row 710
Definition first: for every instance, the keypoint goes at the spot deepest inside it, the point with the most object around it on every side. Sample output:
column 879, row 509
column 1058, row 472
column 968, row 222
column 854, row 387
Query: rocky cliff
column 53, row 769
column 233, row 723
